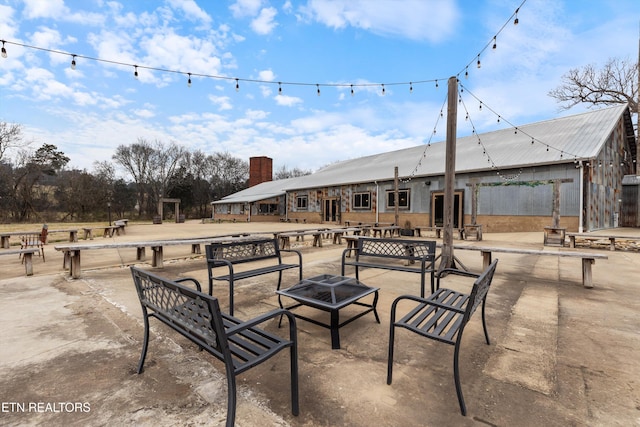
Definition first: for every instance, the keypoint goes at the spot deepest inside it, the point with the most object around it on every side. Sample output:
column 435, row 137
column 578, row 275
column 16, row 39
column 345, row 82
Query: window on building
column 268, row 208
column 302, row 203
column 403, row 199
column 362, row 200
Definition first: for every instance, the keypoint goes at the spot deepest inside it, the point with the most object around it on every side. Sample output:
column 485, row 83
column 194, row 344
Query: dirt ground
column 560, row 354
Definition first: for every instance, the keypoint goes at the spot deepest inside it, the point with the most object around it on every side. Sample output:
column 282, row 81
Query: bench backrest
column 243, row 251
column 191, row 313
column 480, row 290
column 31, row 240
column 412, row 250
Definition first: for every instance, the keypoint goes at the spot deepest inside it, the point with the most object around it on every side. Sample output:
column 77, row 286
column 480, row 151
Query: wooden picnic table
column 589, row 236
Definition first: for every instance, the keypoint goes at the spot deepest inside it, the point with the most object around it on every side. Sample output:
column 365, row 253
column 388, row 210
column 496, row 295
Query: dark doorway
column 437, row 209
column 331, row 210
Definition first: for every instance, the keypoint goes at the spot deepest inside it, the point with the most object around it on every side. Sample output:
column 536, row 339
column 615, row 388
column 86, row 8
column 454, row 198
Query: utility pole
column 396, row 198
column 447, row 258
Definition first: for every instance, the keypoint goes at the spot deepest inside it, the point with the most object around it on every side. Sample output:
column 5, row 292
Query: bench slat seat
column 225, row 255
column 442, row 317
column 240, row 345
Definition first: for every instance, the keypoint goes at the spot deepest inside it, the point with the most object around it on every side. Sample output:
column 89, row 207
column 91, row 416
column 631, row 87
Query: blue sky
column 89, row 111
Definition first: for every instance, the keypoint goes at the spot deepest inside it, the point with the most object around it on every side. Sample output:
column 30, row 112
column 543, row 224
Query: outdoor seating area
column 348, row 330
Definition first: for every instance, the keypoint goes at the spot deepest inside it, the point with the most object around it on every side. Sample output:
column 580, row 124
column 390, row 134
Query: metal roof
column 558, row 140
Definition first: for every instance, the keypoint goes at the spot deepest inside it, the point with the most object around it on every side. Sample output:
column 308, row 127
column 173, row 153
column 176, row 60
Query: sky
column 396, row 55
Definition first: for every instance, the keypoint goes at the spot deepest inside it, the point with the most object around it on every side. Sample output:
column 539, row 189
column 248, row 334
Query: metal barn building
column 566, row 172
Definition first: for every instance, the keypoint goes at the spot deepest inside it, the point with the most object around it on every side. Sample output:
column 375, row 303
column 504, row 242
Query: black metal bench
column 418, row 254
column 443, row 316
column 197, row 316
column 228, row 254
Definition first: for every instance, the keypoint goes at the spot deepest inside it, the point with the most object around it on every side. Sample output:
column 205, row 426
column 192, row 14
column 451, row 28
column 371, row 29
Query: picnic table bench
column 418, row 255
column 71, row 259
column 240, row 345
column 438, row 231
column 227, row 255
column 382, row 231
column 109, row 231
column 26, row 255
column 587, row 258
column 6, row 236
column 595, row 237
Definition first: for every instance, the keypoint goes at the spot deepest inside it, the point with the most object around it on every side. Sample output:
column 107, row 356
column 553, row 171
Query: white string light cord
column 238, row 80
column 534, row 140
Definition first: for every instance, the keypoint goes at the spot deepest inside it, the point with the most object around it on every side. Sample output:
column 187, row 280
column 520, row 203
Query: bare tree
column 10, row 137
column 283, row 172
column 136, row 159
column 615, row 83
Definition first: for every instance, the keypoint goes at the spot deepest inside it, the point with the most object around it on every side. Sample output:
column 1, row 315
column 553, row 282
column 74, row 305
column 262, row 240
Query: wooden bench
column 240, row 345
column 109, row 231
column 27, row 257
column 442, row 317
column 419, row 256
column 587, row 258
column 71, row 258
column 227, row 255
column 6, row 236
column 382, row 231
column 285, row 237
column 33, row 241
column 438, row 231
column 594, row 237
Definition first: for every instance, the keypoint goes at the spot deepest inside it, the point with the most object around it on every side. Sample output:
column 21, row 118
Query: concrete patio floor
column 560, row 354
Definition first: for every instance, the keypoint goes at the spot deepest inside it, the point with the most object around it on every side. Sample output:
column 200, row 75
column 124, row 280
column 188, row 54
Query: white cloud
column 191, row 10
column 264, row 23
column 223, row 102
column 267, row 75
column 244, row 8
column 432, row 20
column 287, row 101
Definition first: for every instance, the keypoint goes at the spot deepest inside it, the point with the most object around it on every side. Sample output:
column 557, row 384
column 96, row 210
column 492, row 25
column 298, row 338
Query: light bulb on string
column 498, row 119
column 135, row 72
column 73, row 62
column 4, row 51
column 279, row 88
column 189, row 81
column 480, row 108
column 479, row 65
column 318, row 86
column 351, row 90
column 237, row 85
column 495, row 43
column 515, row 21
column 383, row 89
column 410, row 87
column 437, row 85
column 466, row 73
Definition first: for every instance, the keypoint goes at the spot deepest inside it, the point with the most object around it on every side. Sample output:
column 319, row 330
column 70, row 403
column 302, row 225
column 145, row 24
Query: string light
column 189, row 81
column 318, row 86
column 135, row 71
column 237, row 86
column 73, row 62
column 75, row 57
column 466, row 72
column 495, row 43
column 383, row 90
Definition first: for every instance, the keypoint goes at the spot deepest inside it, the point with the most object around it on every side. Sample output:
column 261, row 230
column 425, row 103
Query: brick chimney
column 260, row 170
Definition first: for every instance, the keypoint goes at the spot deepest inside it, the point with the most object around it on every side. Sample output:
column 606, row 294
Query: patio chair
column 443, row 316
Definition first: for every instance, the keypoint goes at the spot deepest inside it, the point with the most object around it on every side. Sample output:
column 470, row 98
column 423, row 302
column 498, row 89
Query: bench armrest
column 190, row 279
column 453, row 271
column 295, row 251
column 261, row 319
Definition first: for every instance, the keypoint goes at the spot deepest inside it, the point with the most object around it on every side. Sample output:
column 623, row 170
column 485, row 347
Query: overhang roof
column 560, row 140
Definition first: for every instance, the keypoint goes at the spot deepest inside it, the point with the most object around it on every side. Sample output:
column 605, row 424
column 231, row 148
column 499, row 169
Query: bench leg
column 486, row 259
column 141, row 254
column 456, row 378
column 157, row 260
column 612, row 243
column 74, row 268
column 27, row 258
column 195, row 248
column 587, row 279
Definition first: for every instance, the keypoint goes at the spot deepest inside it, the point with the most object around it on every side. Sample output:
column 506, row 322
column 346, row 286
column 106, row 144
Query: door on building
column 331, row 211
column 437, row 209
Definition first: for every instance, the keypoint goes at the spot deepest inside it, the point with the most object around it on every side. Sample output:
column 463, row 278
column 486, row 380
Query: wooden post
column 396, row 199
column 556, row 204
column 446, row 259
